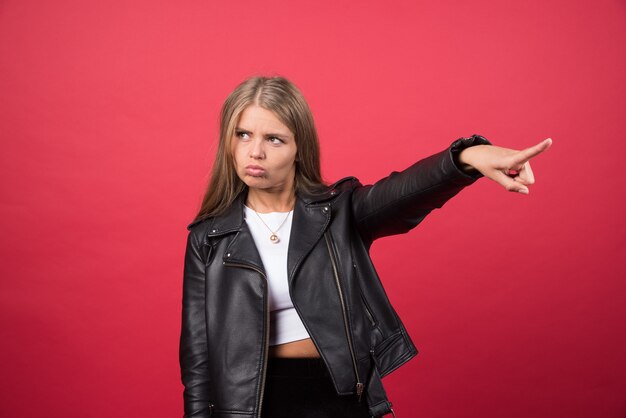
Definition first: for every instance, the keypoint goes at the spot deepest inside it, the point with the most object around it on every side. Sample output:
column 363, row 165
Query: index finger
column 526, row 154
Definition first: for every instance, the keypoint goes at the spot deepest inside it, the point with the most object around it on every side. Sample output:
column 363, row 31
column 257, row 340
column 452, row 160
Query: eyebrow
column 245, row 131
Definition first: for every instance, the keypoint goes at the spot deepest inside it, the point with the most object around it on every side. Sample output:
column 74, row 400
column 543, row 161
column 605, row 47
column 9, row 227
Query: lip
column 255, row 170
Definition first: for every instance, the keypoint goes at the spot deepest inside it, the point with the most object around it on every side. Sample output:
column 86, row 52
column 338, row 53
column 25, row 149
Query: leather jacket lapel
column 308, row 226
column 241, row 249
column 310, row 220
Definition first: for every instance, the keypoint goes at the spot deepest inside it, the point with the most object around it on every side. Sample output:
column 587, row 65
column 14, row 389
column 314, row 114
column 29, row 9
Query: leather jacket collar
column 312, row 214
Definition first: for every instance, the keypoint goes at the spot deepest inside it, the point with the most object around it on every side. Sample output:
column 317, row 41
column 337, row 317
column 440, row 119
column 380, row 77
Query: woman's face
column 264, row 151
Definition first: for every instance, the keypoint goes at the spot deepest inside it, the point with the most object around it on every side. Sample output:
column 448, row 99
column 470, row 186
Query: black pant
column 302, row 388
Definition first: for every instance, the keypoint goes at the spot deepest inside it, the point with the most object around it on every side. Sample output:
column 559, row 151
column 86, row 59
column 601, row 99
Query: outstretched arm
column 507, row 167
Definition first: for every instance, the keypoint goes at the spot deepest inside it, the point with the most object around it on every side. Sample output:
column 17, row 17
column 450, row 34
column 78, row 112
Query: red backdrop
column 108, row 122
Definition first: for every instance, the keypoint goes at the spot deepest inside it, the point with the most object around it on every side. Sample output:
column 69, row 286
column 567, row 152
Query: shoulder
column 199, row 227
column 329, row 191
column 345, row 184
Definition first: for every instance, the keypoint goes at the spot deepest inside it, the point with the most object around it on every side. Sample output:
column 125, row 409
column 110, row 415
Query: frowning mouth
column 255, row 170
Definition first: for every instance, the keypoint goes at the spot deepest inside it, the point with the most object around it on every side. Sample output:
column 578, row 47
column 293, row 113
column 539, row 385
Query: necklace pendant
column 274, row 238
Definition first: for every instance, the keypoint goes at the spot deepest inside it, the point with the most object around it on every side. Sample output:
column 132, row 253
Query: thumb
column 508, row 183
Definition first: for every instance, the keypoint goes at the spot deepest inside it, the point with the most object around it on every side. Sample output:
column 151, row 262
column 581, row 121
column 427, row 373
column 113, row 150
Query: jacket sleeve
column 400, row 201
column 193, row 339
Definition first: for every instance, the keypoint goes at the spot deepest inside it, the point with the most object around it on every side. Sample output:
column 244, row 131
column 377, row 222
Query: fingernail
column 523, row 191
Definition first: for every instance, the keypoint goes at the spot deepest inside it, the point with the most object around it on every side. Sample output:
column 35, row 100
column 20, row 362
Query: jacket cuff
column 459, row 145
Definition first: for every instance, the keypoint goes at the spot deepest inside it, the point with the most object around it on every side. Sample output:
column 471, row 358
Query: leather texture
column 333, row 285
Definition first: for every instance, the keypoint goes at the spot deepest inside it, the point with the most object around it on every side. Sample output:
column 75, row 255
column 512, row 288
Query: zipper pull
column 359, row 389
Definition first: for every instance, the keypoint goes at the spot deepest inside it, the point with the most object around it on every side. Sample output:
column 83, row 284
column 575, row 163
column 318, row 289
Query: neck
column 263, row 201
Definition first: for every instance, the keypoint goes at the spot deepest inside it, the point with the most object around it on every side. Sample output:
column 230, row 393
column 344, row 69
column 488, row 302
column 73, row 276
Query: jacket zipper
column 359, row 384
column 267, row 331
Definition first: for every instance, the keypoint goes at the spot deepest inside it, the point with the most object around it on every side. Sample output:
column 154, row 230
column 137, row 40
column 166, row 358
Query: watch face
column 459, row 144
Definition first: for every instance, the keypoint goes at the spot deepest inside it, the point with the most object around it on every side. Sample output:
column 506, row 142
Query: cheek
column 235, row 155
column 289, row 162
column 290, row 158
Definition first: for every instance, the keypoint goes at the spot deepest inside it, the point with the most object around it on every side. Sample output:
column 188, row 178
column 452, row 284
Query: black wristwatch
column 462, row 143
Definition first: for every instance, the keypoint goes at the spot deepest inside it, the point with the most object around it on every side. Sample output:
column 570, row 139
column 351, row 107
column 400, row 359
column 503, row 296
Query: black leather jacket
column 333, row 285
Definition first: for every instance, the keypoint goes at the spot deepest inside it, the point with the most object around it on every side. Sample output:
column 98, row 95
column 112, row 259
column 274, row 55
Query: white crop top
column 285, row 324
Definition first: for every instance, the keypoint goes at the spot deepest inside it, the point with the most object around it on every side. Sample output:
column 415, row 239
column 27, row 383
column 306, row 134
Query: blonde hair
column 282, row 97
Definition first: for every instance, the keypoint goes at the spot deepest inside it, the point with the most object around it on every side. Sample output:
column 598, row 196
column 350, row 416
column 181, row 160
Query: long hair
column 282, row 97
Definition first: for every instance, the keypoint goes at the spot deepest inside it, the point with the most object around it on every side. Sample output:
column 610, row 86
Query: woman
column 283, row 312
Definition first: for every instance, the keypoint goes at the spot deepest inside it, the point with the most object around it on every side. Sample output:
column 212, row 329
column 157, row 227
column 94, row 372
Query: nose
column 256, row 150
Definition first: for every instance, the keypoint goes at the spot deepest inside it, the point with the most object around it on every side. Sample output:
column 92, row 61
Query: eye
column 275, row 140
column 242, row 135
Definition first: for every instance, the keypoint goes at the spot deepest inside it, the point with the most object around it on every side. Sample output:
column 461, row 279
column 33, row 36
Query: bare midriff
column 301, row 348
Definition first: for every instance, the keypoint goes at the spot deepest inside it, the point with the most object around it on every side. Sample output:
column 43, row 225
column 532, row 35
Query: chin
column 256, row 182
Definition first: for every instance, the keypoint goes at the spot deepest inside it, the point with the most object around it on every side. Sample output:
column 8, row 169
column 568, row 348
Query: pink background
column 108, row 121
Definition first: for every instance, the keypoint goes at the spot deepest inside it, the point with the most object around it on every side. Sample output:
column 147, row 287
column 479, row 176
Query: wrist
column 467, row 158
column 461, row 158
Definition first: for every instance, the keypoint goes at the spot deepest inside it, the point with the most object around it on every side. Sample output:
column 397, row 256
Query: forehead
column 255, row 118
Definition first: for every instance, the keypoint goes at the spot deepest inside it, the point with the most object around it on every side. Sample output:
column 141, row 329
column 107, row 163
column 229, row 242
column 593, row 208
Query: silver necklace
column 274, row 236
